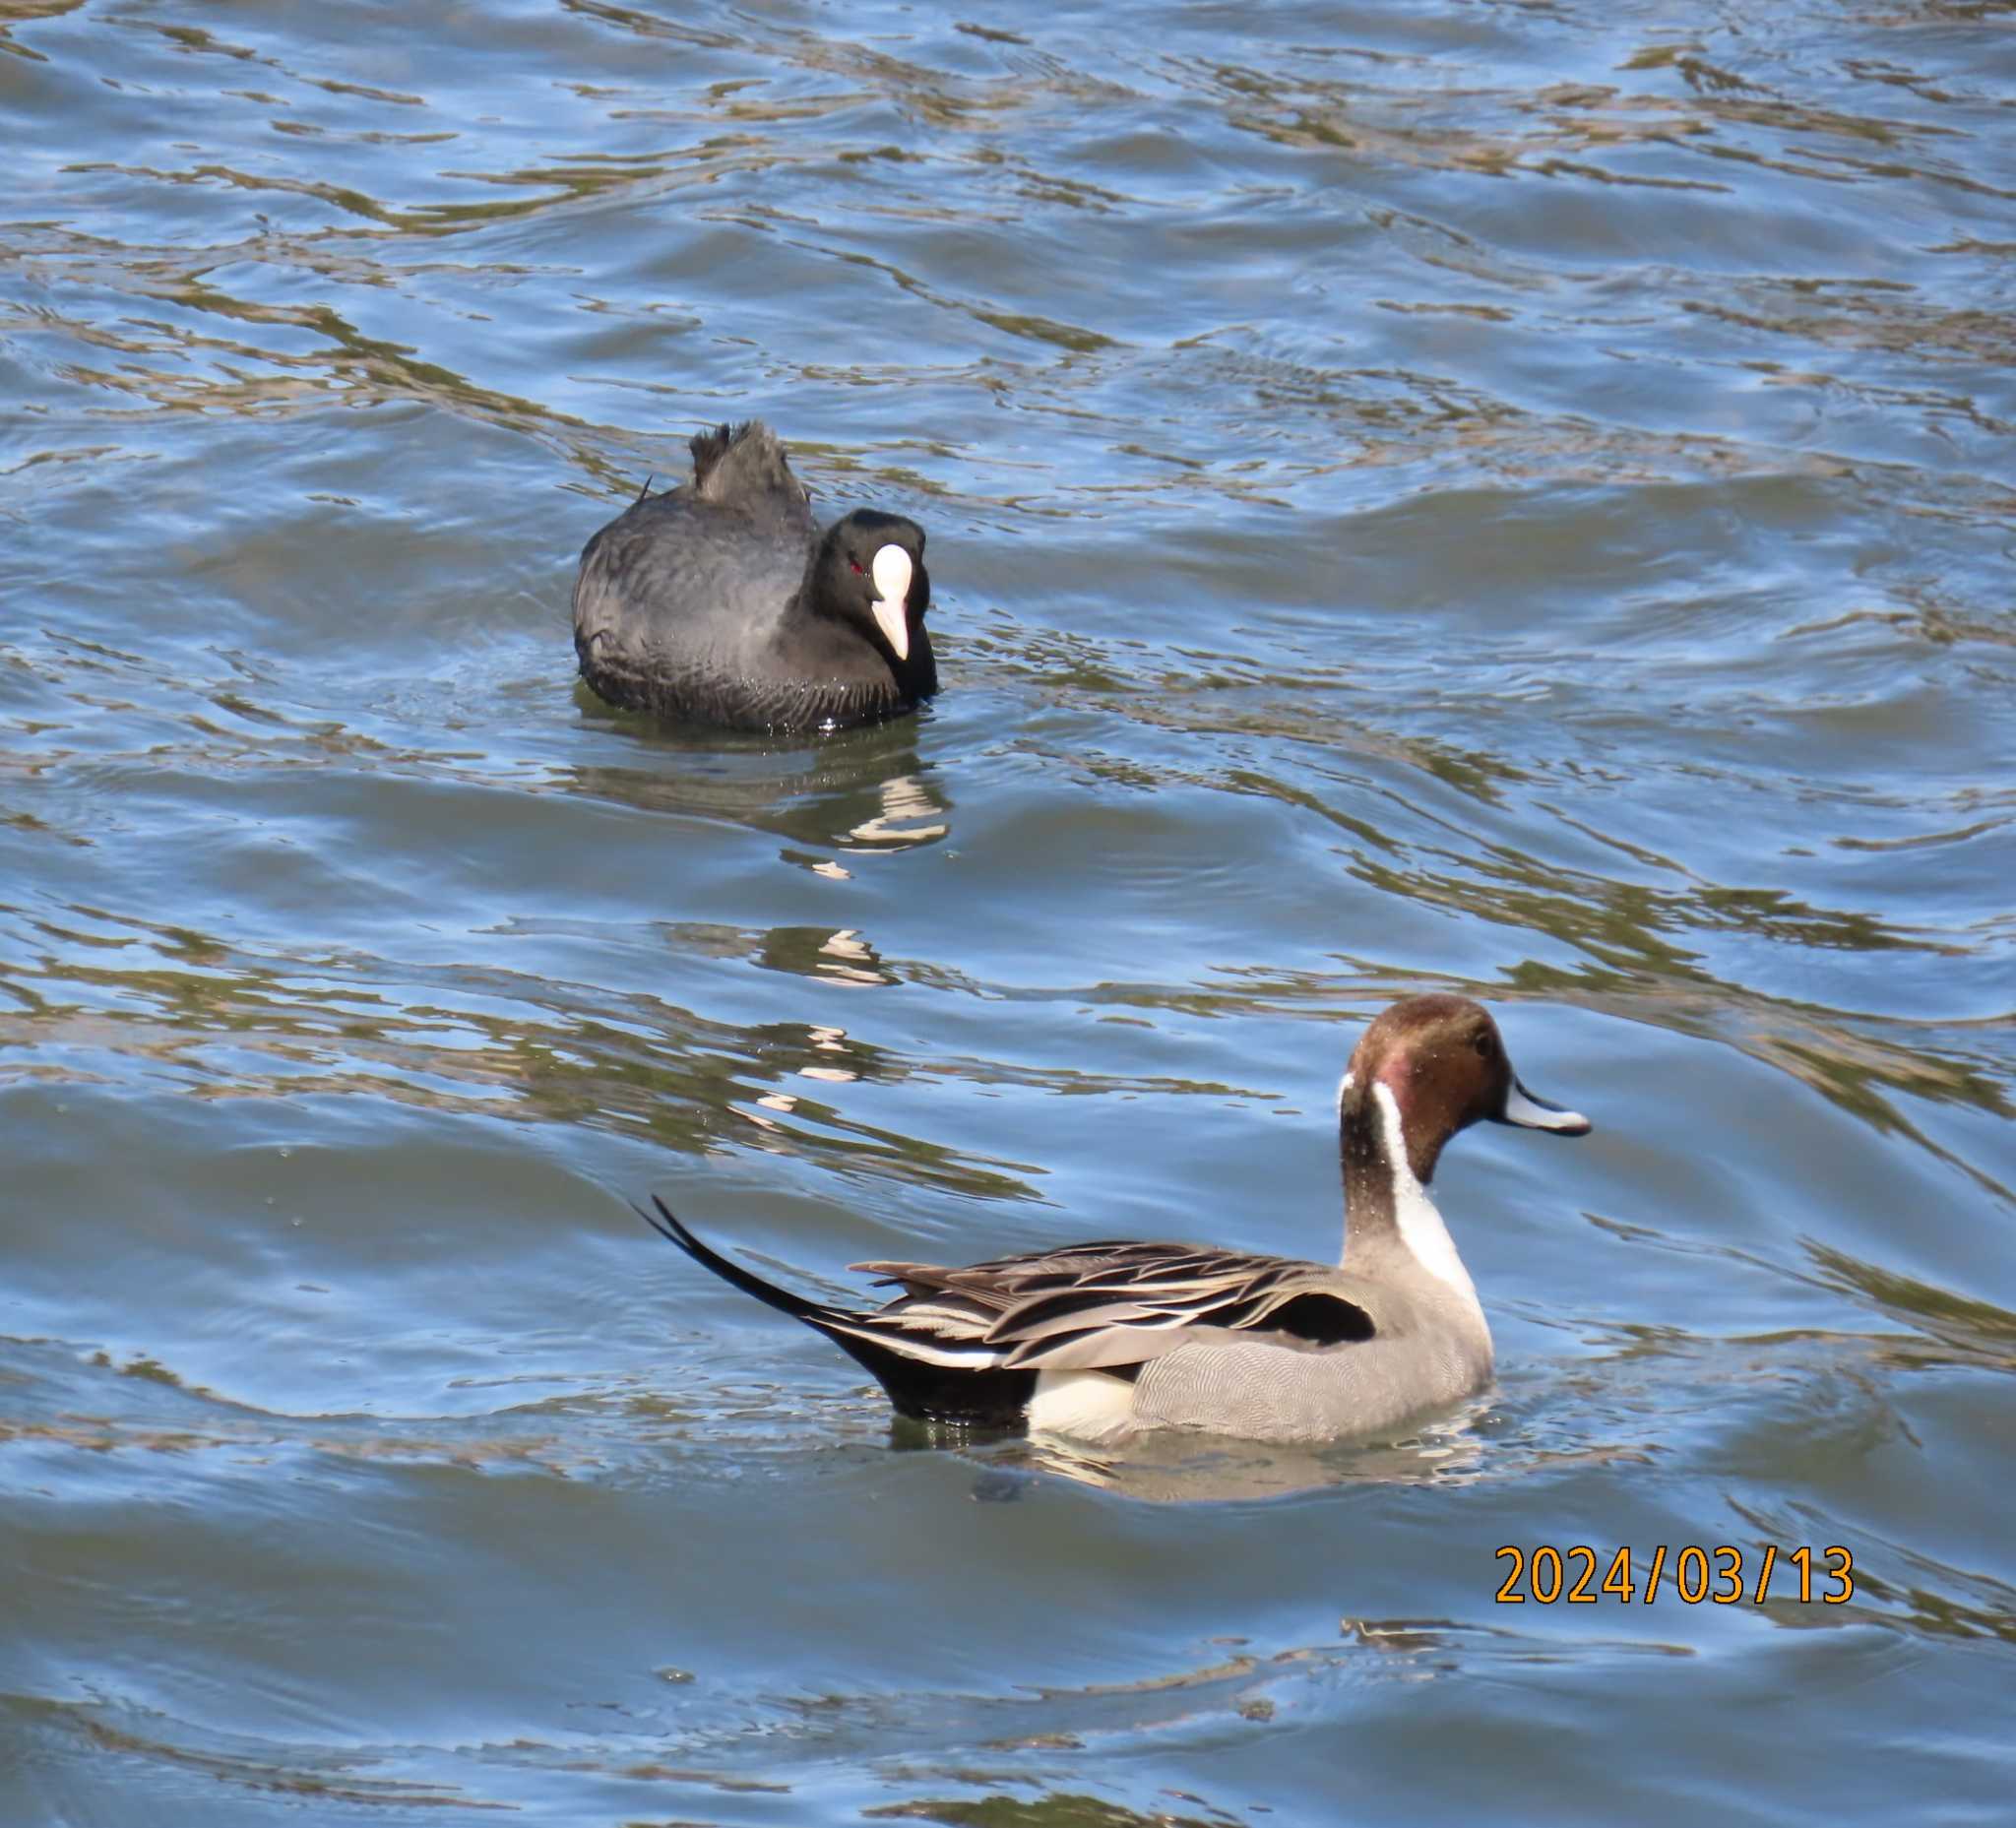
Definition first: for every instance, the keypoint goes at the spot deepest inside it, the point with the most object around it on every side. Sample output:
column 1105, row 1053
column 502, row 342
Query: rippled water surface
column 1509, row 497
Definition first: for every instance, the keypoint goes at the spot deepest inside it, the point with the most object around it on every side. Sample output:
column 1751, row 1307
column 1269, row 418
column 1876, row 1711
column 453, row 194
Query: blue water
column 1510, row 498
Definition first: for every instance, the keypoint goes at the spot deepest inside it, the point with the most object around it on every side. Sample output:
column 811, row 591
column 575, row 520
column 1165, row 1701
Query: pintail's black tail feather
column 949, row 1385
column 668, row 1223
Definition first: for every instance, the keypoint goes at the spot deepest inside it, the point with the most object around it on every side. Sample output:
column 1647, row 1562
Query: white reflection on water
column 1188, row 1469
column 906, row 799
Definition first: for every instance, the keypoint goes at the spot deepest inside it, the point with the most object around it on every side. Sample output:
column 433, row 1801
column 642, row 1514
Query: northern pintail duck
column 1099, row 1340
column 721, row 601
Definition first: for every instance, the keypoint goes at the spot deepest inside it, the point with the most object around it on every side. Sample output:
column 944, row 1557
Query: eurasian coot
column 721, row 601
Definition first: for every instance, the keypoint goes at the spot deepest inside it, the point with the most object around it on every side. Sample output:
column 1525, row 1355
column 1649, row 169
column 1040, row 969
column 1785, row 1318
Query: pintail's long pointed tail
column 667, row 1223
column 926, row 1375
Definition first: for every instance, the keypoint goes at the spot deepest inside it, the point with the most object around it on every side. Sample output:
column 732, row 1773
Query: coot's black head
column 869, row 573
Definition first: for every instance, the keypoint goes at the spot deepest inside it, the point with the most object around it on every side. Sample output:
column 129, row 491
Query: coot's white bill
column 892, row 574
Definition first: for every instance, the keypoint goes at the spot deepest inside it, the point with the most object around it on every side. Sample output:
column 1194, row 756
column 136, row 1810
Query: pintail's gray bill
column 1535, row 1113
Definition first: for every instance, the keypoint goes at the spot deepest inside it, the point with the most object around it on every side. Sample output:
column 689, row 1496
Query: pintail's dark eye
column 1487, row 1044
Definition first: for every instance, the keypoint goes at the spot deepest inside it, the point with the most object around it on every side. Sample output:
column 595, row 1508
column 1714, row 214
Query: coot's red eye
column 857, row 564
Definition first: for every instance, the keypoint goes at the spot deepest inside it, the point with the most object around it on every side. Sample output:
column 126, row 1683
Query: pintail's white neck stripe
column 1421, row 1226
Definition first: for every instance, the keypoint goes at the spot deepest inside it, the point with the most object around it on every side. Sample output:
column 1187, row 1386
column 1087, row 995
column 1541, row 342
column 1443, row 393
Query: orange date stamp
column 1547, row 1574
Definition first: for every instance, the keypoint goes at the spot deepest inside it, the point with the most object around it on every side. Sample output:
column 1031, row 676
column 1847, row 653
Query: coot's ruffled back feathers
column 745, row 467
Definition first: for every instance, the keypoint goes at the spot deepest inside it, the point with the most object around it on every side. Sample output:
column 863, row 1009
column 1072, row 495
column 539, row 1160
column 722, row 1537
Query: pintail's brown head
column 1444, row 1064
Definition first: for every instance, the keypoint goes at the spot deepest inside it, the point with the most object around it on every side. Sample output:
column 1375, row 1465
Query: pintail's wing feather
column 969, row 1342
column 1115, row 1302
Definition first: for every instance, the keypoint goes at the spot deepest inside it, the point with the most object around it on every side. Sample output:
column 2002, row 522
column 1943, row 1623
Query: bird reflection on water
column 1166, row 1468
column 864, row 790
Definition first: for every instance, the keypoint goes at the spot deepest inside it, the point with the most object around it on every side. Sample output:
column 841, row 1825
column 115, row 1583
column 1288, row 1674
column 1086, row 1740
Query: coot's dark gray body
column 721, row 601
